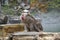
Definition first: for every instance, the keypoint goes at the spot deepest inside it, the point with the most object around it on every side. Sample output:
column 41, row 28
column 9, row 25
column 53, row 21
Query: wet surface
column 51, row 21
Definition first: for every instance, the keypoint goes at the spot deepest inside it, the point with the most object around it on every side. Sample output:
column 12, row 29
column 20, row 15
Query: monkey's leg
column 38, row 27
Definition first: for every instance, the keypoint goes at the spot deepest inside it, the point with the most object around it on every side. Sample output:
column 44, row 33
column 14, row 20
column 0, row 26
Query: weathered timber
column 11, row 28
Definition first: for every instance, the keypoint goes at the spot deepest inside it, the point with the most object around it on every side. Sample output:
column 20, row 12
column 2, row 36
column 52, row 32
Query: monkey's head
column 24, row 14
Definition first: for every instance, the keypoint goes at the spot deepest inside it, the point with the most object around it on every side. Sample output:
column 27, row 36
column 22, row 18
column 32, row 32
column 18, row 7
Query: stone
column 33, row 36
column 37, row 36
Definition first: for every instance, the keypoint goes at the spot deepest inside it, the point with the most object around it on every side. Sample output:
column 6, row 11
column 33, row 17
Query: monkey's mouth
column 23, row 17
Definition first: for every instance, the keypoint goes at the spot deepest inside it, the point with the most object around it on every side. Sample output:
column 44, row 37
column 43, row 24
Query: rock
column 34, row 36
column 49, row 36
column 41, row 36
column 4, row 20
column 57, row 39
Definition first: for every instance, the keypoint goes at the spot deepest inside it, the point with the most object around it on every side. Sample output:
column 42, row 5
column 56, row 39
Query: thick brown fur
column 32, row 24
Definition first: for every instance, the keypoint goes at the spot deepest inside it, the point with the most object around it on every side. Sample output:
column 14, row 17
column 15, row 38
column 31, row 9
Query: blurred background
column 46, row 10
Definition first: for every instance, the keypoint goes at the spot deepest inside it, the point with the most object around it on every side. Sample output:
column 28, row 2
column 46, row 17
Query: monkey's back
column 32, row 24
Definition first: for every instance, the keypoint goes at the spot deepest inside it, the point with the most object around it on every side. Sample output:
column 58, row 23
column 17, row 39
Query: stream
column 51, row 21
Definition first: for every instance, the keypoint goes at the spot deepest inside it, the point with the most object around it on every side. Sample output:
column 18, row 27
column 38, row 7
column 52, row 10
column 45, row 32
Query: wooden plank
column 11, row 28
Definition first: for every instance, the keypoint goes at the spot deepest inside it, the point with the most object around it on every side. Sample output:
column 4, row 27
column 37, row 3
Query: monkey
column 31, row 23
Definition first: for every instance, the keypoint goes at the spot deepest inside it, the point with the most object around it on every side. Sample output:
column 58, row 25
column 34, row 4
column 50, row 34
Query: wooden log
column 11, row 28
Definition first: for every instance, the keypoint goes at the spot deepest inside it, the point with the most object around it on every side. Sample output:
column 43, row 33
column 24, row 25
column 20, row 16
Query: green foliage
column 10, row 11
column 7, row 10
column 54, row 4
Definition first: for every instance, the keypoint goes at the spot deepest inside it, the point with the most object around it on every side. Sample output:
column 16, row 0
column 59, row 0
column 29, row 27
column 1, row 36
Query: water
column 51, row 21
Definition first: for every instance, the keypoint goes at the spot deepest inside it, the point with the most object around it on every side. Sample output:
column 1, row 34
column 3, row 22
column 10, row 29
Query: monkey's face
column 23, row 16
